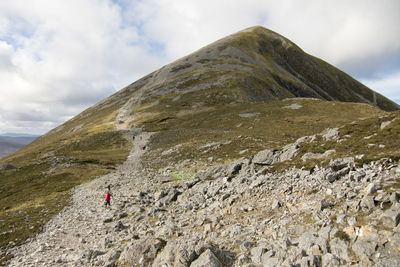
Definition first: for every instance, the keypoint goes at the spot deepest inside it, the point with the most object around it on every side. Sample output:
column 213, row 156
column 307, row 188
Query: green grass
column 353, row 142
column 41, row 189
column 235, row 136
column 183, row 175
column 203, row 125
column 78, row 151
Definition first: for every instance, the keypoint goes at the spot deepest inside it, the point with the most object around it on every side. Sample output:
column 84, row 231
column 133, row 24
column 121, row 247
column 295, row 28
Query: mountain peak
column 253, row 65
column 211, row 121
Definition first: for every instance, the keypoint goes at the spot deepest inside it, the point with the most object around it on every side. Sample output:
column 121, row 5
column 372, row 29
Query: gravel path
column 79, row 230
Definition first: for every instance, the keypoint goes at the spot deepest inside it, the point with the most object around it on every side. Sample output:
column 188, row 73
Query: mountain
column 196, row 148
column 20, row 135
column 10, row 143
column 251, row 66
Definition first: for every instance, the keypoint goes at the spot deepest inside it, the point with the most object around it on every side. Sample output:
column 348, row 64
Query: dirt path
column 80, row 231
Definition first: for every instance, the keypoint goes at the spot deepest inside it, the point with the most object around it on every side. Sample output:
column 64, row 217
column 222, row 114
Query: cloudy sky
column 59, row 57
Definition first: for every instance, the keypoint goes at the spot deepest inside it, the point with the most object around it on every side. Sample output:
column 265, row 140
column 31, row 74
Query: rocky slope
column 238, row 214
column 222, row 149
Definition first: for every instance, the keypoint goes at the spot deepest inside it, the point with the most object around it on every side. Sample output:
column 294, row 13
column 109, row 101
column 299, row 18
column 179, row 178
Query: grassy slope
column 73, row 153
column 185, row 134
column 187, row 121
column 301, row 74
column 260, row 65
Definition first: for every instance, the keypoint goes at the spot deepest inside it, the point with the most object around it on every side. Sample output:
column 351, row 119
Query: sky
column 59, row 57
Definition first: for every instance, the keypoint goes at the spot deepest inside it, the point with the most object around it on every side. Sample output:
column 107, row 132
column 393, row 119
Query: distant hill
column 10, row 142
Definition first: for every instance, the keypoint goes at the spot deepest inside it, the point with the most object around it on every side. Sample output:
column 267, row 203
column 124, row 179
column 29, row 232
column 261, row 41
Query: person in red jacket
column 107, row 200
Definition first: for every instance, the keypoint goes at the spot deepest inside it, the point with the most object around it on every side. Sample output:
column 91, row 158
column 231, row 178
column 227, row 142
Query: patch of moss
column 342, row 235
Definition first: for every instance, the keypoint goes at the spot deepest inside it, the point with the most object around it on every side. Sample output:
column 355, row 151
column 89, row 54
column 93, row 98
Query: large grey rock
column 339, row 248
column 324, row 204
column 256, row 254
column 370, row 189
column 289, row 151
column 171, row 196
column 206, row 259
column 335, row 175
column 357, row 175
column 395, row 240
column 270, row 261
column 329, row 260
column 394, row 198
column 323, row 244
column 391, row 218
column 384, row 124
column 339, row 164
column 92, row 254
column 313, row 260
column 307, row 240
column 363, row 248
column 179, row 253
column 246, row 246
column 142, row 251
column 267, row 157
column 275, row 204
column 310, row 155
column 330, row 134
column 368, row 202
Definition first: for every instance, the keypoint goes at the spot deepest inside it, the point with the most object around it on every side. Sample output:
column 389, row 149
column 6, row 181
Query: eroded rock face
column 7, row 167
column 230, row 215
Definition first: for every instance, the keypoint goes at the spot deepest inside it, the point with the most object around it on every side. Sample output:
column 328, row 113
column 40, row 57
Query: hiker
column 108, row 196
column 143, row 147
column 133, row 138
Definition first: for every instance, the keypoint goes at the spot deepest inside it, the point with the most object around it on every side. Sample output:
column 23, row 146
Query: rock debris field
column 232, row 215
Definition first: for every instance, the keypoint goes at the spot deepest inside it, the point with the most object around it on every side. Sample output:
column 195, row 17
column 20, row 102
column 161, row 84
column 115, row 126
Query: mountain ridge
column 241, row 60
column 10, row 143
column 241, row 95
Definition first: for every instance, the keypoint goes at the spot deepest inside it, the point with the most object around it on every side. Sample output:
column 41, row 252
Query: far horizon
column 21, row 133
column 129, row 39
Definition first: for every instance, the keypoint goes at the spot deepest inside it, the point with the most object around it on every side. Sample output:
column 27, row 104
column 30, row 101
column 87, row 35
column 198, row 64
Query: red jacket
column 108, row 195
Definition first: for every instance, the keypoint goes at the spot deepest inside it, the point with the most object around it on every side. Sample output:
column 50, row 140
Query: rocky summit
column 247, row 152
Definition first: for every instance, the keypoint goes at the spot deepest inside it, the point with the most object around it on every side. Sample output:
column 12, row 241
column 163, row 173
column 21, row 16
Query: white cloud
column 389, row 86
column 59, row 57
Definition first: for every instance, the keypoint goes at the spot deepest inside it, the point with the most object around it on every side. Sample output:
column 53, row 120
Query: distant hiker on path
column 107, row 200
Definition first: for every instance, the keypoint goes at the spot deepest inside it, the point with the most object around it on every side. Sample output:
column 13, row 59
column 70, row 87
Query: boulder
column 339, row 164
column 330, row 134
column 246, row 246
column 307, row 240
column 370, row 189
column 142, row 252
column 171, row 196
column 391, row 218
column 339, row 248
column 368, row 203
column 325, row 204
column 206, row 259
column 289, row 152
column 329, row 259
column 276, row 204
column 394, row 198
column 256, row 254
column 267, row 157
column 363, row 248
column 179, row 253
